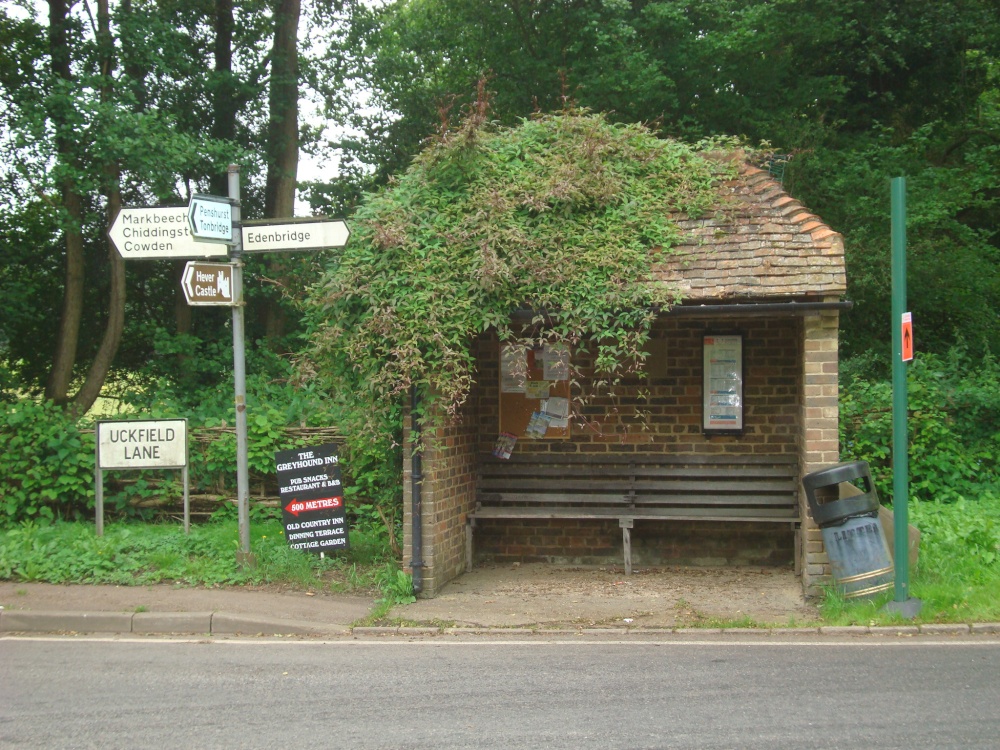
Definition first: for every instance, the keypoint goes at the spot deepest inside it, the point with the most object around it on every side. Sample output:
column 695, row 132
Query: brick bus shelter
column 696, row 459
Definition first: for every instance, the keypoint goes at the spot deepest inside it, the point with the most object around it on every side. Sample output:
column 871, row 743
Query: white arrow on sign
column 211, row 218
column 296, row 235
column 208, row 283
column 159, row 232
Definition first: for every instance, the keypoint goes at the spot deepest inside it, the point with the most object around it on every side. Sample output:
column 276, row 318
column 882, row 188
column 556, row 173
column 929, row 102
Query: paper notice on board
column 537, row 389
column 538, row 425
column 556, row 406
column 557, row 410
column 513, row 369
column 555, row 362
column 505, row 445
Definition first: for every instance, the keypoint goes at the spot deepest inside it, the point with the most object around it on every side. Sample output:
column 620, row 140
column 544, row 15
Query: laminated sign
column 312, row 498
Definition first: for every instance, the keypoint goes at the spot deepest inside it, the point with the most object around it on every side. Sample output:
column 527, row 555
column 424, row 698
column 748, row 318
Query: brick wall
column 447, row 495
column 661, row 412
column 820, row 446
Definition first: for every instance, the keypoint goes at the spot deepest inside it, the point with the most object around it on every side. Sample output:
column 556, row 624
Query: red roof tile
column 760, row 244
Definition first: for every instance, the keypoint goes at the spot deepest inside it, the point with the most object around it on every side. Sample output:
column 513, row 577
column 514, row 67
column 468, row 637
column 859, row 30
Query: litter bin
column 852, row 534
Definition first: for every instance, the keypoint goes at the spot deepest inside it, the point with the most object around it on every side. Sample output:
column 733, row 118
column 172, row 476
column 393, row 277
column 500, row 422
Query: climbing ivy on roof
column 562, row 216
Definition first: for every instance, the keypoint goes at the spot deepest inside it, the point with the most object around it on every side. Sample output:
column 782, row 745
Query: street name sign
column 159, row 232
column 142, row 444
column 208, row 283
column 210, row 218
column 268, row 237
column 312, row 498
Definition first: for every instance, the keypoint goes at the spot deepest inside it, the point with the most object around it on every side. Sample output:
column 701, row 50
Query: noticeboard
column 312, row 498
column 534, row 392
column 722, row 386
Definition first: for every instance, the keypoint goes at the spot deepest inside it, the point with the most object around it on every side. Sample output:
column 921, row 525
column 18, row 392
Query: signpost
column 210, row 218
column 140, row 444
column 210, row 227
column 312, row 498
column 289, row 236
column 902, row 352
column 208, row 283
column 159, row 232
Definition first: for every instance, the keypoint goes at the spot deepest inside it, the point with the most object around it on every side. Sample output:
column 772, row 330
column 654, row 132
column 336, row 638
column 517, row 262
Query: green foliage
column 563, row 215
column 136, row 554
column 957, row 577
column 48, row 464
column 953, row 423
column 960, row 540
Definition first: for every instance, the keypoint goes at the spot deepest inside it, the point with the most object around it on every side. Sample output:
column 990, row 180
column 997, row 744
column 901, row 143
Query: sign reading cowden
column 312, row 498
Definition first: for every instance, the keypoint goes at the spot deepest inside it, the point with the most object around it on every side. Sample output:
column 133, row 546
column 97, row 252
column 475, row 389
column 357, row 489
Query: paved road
column 443, row 693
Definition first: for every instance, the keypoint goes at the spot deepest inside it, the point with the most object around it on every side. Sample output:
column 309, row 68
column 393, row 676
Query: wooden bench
column 626, row 488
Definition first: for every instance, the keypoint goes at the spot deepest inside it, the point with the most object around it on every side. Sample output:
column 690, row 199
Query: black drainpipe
column 416, row 480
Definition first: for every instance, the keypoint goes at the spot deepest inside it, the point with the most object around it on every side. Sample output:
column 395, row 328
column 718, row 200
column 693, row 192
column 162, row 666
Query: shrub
column 953, row 426
column 48, row 464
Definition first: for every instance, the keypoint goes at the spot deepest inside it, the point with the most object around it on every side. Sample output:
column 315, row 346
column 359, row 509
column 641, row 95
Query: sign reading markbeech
column 142, row 444
column 159, row 232
column 297, row 235
column 208, row 283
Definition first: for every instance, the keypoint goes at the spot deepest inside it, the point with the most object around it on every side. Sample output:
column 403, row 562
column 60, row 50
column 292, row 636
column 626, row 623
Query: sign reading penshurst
column 312, row 498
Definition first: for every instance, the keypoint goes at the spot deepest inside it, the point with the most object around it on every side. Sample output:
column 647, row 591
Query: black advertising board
column 312, row 498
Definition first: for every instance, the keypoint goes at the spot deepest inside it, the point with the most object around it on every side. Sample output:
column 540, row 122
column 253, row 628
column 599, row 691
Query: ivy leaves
column 562, row 215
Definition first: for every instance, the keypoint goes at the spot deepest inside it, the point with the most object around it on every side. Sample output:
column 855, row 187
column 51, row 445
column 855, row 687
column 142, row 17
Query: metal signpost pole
column 902, row 602
column 240, row 376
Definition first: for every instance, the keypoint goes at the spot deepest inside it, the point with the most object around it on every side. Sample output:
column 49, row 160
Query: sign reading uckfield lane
column 297, row 235
column 142, row 444
column 312, row 498
column 159, row 232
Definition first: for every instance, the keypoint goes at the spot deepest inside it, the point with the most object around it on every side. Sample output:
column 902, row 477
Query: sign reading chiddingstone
column 312, row 498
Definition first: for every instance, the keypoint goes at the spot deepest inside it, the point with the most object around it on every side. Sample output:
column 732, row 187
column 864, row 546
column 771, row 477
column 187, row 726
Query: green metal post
column 900, row 443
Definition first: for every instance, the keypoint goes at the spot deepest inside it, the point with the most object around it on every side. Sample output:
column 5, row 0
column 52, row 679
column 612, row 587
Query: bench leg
column 469, row 525
column 797, row 537
column 626, row 524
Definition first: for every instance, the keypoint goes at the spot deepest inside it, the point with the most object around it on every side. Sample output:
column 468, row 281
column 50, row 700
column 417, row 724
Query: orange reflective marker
column 907, row 336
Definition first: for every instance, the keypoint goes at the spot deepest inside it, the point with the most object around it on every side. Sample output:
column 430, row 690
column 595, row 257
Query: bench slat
column 553, row 497
column 664, row 514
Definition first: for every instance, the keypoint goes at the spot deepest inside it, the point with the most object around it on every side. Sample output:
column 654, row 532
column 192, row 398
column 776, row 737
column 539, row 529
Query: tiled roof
column 761, row 244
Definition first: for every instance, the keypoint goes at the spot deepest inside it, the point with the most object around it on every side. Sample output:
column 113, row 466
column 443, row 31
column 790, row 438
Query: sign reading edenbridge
column 159, row 232
column 271, row 236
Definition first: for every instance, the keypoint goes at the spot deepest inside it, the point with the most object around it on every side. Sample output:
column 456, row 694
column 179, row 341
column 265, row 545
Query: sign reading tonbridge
column 312, row 498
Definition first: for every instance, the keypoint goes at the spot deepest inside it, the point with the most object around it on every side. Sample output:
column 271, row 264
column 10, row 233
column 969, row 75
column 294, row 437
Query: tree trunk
column 68, row 337
column 115, row 324
column 224, row 102
column 283, row 108
column 282, row 142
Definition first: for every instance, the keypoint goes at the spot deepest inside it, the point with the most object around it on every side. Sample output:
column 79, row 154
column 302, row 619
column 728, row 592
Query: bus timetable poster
column 723, row 384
